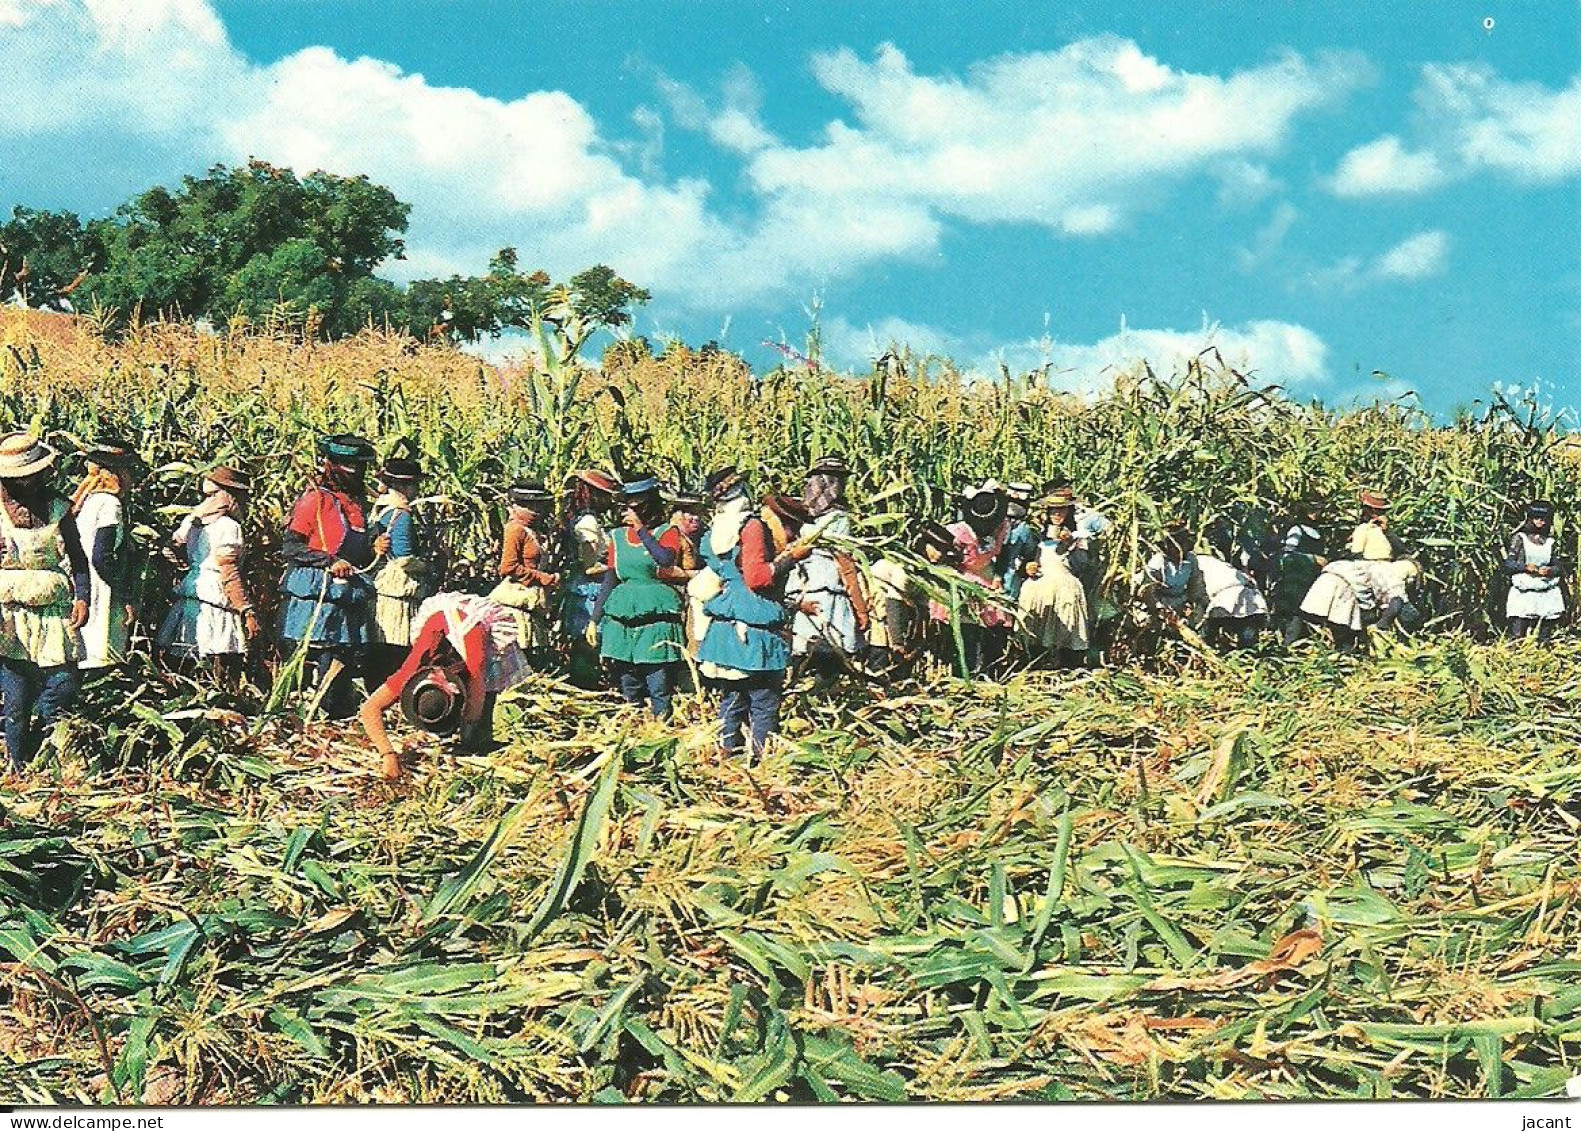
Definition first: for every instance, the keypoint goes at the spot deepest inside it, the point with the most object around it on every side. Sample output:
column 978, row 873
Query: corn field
column 1247, row 877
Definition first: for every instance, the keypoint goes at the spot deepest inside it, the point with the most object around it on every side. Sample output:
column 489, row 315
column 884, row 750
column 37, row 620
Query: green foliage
column 248, row 244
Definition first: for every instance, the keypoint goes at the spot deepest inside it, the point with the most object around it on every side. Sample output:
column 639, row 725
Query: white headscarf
column 729, row 517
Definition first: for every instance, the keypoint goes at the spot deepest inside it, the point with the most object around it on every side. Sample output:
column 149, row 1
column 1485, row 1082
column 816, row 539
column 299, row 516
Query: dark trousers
column 984, row 646
column 34, row 699
column 645, row 685
column 753, row 705
column 1521, row 627
column 1236, row 632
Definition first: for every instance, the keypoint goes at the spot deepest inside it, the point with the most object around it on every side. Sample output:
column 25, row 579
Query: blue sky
column 1321, row 189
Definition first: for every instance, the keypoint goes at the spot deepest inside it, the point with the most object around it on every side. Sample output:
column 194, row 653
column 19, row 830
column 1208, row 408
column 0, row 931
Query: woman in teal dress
column 639, row 615
column 744, row 653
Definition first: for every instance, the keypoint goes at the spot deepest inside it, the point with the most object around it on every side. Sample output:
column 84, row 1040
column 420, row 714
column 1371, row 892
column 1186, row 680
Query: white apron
column 1535, row 598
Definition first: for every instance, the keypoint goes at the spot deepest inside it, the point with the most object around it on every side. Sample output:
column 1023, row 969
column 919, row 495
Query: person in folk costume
column 933, row 634
column 327, row 597
column 584, row 556
column 824, row 590
column 1371, row 541
column 465, row 651
column 1536, row 601
column 726, row 489
column 99, row 509
column 686, row 523
column 639, row 616
column 1302, row 556
column 979, row 539
column 1227, row 603
column 1165, row 582
column 212, row 618
column 1053, row 597
column 1022, row 543
column 44, row 594
column 744, row 653
column 404, row 572
column 1351, row 595
column 525, row 584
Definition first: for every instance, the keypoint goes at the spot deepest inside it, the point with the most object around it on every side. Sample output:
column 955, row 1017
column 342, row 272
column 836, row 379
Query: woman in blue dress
column 327, row 597
column 744, row 652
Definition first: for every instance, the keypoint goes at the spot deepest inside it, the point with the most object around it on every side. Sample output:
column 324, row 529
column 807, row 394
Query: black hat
column 1539, row 508
column 938, row 536
column 688, row 501
column 433, row 701
column 789, row 508
column 343, row 447
column 401, row 470
column 726, row 483
column 525, row 493
column 829, row 465
column 638, row 484
column 985, row 502
column 114, row 455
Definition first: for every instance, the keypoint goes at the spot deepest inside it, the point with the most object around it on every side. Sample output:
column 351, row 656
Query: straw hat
column 230, row 479
column 1374, row 500
column 23, row 454
column 1059, row 497
column 1019, row 492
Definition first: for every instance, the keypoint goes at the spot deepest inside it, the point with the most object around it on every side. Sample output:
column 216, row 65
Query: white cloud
column 1274, row 351
column 1074, row 139
column 1384, row 166
column 1469, row 121
column 1243, row 183
column 1418, row 257
column 1268, row 239
column 118, row 94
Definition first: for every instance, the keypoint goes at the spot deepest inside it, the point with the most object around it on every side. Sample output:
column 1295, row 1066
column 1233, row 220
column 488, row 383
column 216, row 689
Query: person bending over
column 467, row 650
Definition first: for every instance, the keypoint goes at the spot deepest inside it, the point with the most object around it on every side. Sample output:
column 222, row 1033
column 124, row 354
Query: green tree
column 43, row 255
column 244, row 242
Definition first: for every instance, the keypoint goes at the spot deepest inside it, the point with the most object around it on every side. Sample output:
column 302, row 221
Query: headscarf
column 823, row 493
column 216, row 504
column 99, row 481
column 729, row 517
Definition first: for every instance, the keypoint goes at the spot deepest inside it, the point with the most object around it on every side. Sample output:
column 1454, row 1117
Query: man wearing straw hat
column 44, row 590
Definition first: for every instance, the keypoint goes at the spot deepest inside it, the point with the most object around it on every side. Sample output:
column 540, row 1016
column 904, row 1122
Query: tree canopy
column 245, row 242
